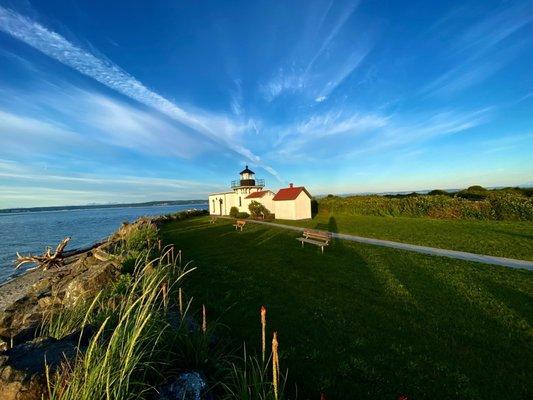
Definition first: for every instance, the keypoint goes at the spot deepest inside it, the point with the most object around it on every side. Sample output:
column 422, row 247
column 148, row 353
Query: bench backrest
column 318, row 235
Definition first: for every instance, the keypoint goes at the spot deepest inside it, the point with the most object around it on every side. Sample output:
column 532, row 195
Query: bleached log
column 47, row 260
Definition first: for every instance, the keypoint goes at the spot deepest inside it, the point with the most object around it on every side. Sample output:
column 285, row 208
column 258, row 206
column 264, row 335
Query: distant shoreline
column 96, row 206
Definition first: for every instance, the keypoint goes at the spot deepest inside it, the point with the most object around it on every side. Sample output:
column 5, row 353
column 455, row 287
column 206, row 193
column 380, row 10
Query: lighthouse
column 288, row 203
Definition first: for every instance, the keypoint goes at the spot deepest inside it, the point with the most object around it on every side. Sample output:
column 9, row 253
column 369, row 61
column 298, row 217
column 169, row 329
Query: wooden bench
column 239, row 224
column 213, row 219
column 318, row 238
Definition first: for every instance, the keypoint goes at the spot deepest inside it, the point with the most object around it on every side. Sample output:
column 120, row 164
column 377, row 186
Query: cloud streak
column 109, row 74
column 480, row 50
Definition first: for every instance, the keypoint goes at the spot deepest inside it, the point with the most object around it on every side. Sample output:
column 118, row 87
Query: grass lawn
column 513, row 239
column 363, row 321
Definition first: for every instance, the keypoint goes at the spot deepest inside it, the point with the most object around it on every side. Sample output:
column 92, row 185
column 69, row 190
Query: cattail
column 263, row 330
column 204, row 319
column 180, row 300
column 275, row 364
column 164, row 291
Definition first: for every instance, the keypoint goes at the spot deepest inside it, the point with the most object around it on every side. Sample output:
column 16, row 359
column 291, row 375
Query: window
column 240, row 201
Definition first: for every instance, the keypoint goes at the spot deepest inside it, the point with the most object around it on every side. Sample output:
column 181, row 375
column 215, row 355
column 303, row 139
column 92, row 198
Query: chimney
column 290, row 184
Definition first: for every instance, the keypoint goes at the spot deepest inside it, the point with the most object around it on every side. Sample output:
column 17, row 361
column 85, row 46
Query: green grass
column 513, row 239
column 363, row 321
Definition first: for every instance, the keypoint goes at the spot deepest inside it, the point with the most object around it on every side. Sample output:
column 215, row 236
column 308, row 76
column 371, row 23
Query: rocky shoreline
column 27, row 301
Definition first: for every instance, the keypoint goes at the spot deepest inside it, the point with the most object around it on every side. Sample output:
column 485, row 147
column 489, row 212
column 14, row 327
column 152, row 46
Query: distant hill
column 90, row 206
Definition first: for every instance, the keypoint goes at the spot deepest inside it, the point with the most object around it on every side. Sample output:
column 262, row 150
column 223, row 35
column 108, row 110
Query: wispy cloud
column 282, row 83
column 482, row 49
column 87, row 119
column 369, row 133
column 109, row 74
column 22, row 183
column 331, row 49
column 483, row 36
column 339, row 22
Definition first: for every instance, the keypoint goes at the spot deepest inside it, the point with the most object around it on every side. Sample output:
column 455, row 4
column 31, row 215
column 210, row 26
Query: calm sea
column 31, row 232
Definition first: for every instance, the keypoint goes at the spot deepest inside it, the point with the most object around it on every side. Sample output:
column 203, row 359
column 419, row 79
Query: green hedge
column 497, row 205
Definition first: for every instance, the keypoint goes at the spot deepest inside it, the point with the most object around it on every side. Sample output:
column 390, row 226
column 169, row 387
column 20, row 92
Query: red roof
column 290, row 193
column 256, row 195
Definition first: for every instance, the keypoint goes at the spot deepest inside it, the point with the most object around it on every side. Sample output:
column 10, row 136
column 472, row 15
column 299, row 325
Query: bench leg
column 302, row 244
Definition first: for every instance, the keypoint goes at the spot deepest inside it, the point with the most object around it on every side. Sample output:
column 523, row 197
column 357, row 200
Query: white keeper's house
column 293, row 202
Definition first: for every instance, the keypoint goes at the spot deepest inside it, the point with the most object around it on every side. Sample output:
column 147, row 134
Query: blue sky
column 116, row 101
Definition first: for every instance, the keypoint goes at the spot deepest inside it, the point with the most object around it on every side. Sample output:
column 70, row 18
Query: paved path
column 434, row 251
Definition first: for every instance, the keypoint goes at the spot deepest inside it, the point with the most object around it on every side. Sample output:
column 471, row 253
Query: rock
column 79, row 280
column 188, row 386
column 22, row 368
column 88, row 283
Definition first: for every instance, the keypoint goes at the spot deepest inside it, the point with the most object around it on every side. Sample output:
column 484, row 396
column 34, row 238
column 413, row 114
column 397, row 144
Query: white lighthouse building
column 288, row 203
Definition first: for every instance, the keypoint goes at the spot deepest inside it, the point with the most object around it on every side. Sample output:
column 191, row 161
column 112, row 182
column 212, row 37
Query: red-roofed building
column 293, row 202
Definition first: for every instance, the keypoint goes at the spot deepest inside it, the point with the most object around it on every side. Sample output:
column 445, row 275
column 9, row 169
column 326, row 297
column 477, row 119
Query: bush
column 438, row 192
column 233, row 212
column 242, row 215
column 258, row 210
column 482, row 205
column 137, row 240
column 182, row 215
column 475, row 192
column 314, row 207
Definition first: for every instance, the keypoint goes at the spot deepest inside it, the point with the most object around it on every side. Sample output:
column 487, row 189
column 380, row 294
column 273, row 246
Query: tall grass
column 249, row 379
column 126, row 348
column 143, row 335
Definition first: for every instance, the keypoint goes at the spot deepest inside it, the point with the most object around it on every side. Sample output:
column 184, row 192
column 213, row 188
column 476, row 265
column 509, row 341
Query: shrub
column 242, row 215
column 137, row 239
column 476, row 188
column 438, row 192
column 182, row 215
column 233, row 212
column 128, row 265
column 257, row 209
column 475, row 192
column 483, row 205
column 314, row 207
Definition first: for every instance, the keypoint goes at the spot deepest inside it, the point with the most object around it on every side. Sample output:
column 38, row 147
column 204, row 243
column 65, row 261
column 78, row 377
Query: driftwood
column 47, row 260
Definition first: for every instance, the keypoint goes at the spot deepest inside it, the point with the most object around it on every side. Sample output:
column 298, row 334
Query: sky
column 120, row 101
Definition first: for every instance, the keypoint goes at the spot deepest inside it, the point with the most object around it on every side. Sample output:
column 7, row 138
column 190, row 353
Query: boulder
column 80, row 279
column 22, row 368
column 188, row 386
column 87, row 283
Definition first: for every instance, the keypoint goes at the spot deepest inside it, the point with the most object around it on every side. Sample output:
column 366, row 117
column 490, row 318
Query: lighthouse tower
column 247, row 183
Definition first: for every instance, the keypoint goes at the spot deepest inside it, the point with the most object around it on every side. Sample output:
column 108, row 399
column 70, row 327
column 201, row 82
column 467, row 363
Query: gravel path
column 434, row 251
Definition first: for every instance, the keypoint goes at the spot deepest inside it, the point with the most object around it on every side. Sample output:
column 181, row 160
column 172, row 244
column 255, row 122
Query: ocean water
column 31, row 232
